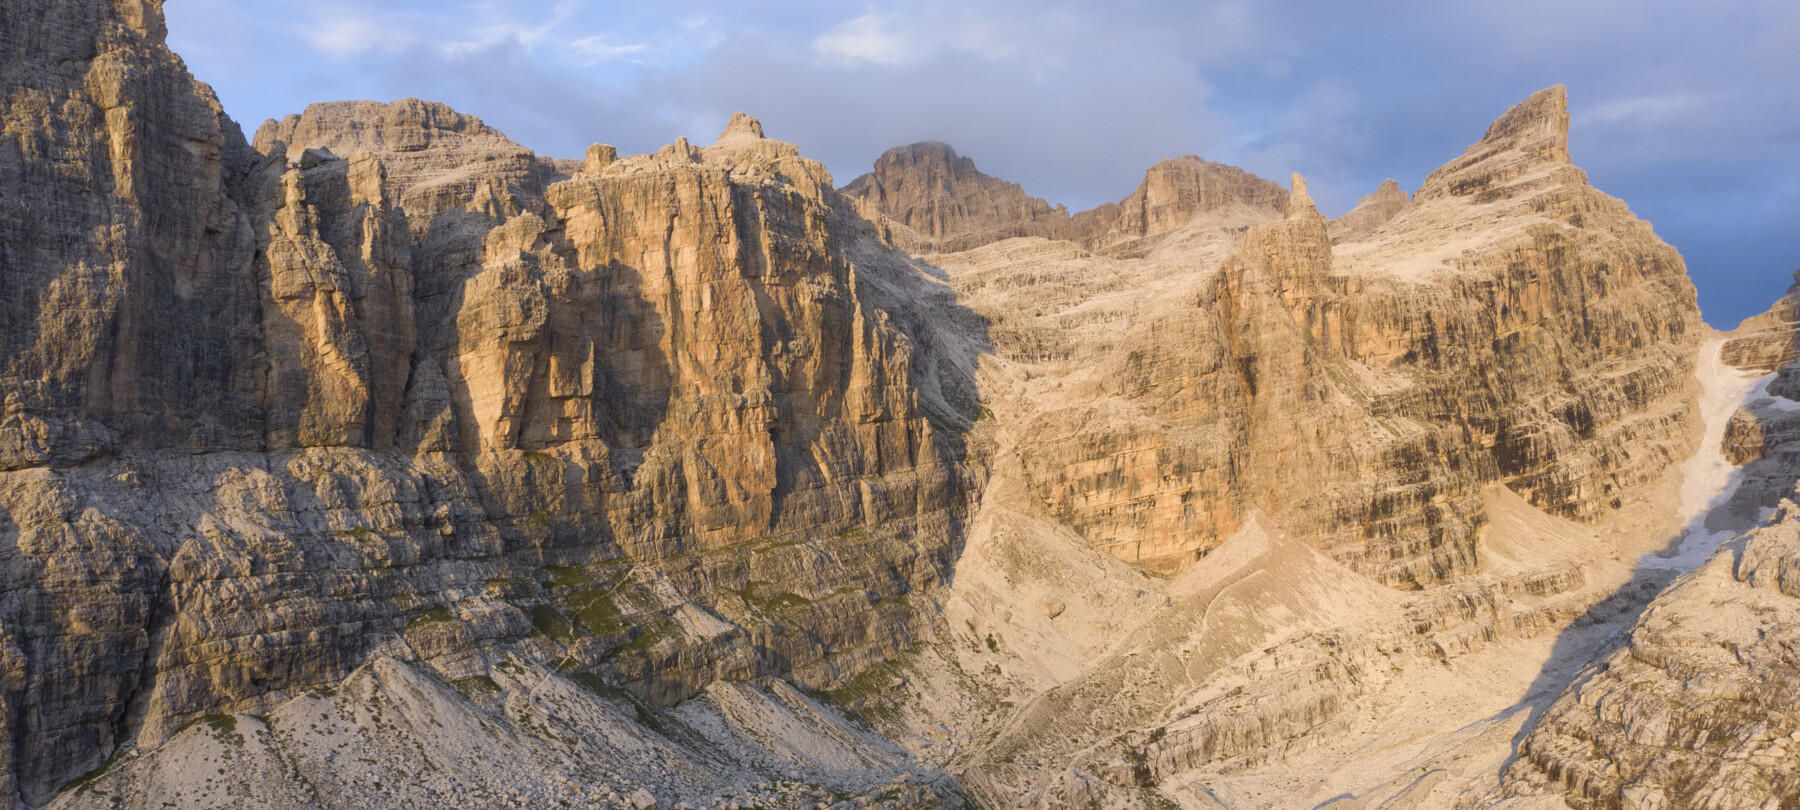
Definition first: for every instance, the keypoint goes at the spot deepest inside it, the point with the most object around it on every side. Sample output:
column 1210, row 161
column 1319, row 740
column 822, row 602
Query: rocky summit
column 377, row 461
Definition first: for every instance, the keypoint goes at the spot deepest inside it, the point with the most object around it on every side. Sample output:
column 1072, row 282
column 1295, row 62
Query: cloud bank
column 1686, row 109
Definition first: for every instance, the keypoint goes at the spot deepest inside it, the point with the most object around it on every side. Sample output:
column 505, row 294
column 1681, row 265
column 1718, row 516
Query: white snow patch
column 1760, row 397
column 1708, row 479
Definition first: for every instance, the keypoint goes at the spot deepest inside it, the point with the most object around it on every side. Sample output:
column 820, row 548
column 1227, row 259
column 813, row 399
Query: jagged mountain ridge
column 932, row 199
column 1508, row 298
column 370, row 391
column 639, row 441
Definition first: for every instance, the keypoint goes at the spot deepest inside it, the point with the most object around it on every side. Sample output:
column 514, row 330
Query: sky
column 1689, row 110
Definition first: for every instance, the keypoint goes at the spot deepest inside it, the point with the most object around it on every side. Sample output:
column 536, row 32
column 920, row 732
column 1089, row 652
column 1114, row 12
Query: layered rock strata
column 1510, row 324
column 1770, row 340
column 1483, row 396
column 942, row 202
column 386, row 381
column 382, row 402
column 1371, row 212
column 1694, row 709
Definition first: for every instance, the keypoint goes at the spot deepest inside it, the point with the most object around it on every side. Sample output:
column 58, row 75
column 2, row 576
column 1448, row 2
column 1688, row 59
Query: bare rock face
column 1769, row 340
column 1694, row 708
column 1177, row 190
column 1371, row 212
column 389, row 381
column 1481, row 402
column 1083, row 507
column 1510, row 324
column 943, row 202
column 932, row 199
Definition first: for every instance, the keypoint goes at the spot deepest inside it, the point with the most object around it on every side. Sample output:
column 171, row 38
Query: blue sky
column 1687, row 110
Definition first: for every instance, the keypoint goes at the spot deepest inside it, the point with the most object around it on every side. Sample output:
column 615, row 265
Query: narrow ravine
column 1708, row 478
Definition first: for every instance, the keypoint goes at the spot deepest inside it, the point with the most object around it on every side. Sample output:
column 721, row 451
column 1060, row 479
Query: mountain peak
column 1529, row 140
column 943, row 198
column 1371, row 212
column 1176, row 189
column 928, row 154
column 1539, row 124
column 742, row 125
column 1299, row 203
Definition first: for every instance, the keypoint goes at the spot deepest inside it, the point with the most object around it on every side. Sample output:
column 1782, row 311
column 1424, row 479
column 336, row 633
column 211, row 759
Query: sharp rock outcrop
column 383, row 419
column 1371, row 212
column 386, row 380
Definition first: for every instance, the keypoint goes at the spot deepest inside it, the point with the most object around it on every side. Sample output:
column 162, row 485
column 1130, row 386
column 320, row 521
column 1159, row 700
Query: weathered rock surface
column 1186, row 498
column 1177, row 190
column 386, row 380
column 395, row 735
column 942, row 202
column 1770, row 340
column 1694, row 709
column 1510, row 324
column 930, row 199
column 1371, row 212
column 1278, row 419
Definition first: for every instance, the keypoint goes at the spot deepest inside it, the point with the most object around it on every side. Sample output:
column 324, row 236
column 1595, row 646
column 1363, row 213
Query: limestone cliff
column 1511, row 324
column 1371, row 212
column 386, row 380
column 1769, row 340
column 1177, row 190
column 381, row 418
column 930, row 199
column 942, row 202
column 1482, row 399
column 1693, row 708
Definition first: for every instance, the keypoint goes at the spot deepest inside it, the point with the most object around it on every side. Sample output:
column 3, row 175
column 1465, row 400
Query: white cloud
column 352, row 36
column 868, row 38
column 1640, row 110
column 602, row 48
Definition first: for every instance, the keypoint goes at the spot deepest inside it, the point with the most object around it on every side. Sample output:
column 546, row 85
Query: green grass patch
column 866, row 695
column 549, row 621
column 86, row 780
column 753, row 591
column 225, row 726
column 595, row 611
column 569, row 576
column 647, row 716
column 432, row 616
column 476, row 686
column 785, row 601
column 652, row 633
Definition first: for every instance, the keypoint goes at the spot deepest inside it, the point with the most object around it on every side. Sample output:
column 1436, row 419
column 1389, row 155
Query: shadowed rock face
column 944, row 203
column 268, row 406
column 1694, row 707
column 385, row 386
